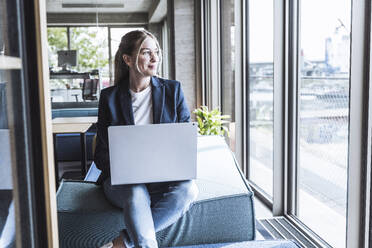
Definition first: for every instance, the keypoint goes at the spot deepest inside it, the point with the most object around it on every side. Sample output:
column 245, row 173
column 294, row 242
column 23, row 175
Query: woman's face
column 148, row 58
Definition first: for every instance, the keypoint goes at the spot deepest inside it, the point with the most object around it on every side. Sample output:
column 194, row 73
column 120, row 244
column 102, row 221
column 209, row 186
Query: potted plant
column 211, row 122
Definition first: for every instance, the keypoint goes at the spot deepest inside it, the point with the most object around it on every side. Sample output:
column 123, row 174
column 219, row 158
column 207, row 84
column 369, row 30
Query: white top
column 142, row 106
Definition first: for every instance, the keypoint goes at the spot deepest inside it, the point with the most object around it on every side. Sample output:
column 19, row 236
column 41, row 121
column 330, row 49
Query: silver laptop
column 5, row 160
column 152, row 153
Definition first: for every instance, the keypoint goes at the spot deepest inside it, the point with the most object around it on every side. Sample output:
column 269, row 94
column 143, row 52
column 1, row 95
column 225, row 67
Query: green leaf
column 210, row 122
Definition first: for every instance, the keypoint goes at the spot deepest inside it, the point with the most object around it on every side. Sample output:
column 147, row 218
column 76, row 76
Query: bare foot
column 118, row 242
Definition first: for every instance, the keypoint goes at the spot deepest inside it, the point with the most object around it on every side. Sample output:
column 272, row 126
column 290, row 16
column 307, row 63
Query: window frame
column 360, row 124
column 286, row 78
column 208, row 65
column 277, row 124
column 212, row 53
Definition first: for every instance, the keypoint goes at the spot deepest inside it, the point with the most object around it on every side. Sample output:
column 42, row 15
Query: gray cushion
column 250, row 244
column 223, row 211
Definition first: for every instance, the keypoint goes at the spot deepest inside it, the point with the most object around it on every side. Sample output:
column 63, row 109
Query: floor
column 261, row 212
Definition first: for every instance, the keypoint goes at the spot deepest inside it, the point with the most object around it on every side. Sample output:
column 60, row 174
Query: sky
column 318, row 19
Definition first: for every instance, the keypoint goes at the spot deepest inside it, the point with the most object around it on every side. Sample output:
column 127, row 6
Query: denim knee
column 126, row 195
column 187, row 192
column 135, row 194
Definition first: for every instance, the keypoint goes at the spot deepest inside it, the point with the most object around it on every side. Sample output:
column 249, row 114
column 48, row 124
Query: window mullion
column 213, row 72
column 279, row 147
column 368, row 171
column 291, row 105
column 359, row 127
column 68, row 38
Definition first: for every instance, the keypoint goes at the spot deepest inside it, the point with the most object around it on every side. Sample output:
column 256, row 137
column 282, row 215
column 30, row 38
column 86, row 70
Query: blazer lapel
column 126, row 105
column 157, row 99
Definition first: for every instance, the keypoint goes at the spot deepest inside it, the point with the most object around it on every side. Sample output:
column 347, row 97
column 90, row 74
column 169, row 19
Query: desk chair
column 76, row 97
column 90, row 89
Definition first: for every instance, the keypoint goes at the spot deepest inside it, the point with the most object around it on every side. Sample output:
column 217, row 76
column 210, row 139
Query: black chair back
column 90, row 87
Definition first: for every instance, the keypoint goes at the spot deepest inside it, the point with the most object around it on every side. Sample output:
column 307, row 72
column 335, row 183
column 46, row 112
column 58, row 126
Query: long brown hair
column 130, row 45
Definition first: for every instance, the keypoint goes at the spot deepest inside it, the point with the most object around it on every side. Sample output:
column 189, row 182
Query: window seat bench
column 222, row 213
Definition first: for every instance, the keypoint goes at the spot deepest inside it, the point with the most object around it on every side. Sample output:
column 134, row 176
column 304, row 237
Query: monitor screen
column 67, row 58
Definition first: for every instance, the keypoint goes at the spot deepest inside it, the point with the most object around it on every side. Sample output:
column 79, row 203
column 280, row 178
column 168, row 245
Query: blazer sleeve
column 101, row 155
column 183, row 113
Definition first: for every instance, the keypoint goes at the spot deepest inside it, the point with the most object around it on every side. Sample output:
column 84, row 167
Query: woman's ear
column 127, row 60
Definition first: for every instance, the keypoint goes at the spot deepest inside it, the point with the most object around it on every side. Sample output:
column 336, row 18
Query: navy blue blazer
column 115, row 108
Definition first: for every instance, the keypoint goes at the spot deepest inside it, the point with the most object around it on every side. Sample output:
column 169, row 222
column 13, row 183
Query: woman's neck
column 138, row 83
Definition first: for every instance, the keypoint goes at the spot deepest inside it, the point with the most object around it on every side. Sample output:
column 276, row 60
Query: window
column 228, row 66
column 58, row 40
column 261, row 71
column 315, row 81
column 7, row 227
column 323, row 117
column 10, row 78
column 92, row 46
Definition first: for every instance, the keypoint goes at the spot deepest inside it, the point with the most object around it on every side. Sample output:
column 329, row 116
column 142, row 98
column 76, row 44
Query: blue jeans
column 150, row 207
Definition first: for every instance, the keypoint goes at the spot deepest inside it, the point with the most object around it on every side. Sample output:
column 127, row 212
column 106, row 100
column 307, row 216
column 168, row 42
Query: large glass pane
column 323, row 116
column 91, row 44
column 261, row 94
column 57, row 40
column 7, row 221
column 10, row 77
column 228, row 66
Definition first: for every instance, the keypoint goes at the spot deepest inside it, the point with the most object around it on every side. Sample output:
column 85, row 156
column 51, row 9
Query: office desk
column 76, row 120
column 73, row 75
column 63, row 128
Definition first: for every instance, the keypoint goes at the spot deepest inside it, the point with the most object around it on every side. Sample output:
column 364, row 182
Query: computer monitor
column 67, row 58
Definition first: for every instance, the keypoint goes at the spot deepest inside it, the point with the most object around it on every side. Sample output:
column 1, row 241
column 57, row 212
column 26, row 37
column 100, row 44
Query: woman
column 139, row 98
